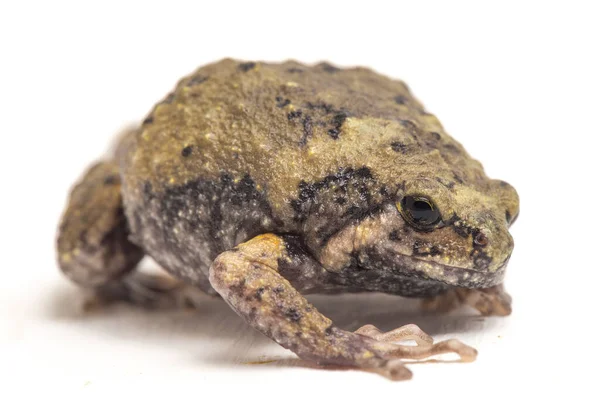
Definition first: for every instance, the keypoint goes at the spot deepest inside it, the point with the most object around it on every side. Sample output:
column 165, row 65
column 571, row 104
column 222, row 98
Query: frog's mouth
column 448, row 274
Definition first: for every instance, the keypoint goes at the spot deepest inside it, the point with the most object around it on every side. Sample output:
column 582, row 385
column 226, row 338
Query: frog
column 262, row 183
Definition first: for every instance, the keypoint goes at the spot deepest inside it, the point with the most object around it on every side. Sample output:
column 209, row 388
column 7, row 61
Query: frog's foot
column 146, row 290
column 488, row 301
column 395, row 369
column 406, row 332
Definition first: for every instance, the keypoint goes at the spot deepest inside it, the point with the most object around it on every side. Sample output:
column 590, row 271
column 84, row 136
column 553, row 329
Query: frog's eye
column 419, row 211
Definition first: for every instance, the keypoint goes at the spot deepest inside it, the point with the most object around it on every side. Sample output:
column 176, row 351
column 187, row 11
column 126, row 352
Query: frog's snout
column 491, row 252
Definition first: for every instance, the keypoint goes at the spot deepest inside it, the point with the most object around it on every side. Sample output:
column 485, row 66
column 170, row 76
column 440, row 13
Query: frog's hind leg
column 95, row 250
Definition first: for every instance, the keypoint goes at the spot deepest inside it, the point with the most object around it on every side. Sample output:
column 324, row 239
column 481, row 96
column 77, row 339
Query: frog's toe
column 388, row 359
column 465, row 353
column 406, row 332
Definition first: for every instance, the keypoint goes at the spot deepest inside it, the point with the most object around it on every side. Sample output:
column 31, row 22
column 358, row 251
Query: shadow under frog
column 209, row 317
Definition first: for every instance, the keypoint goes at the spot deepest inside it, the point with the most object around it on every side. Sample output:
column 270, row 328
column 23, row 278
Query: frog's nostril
column 480, row 239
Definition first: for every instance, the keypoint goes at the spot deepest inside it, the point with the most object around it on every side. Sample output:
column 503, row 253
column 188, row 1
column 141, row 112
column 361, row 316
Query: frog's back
column 227, row 154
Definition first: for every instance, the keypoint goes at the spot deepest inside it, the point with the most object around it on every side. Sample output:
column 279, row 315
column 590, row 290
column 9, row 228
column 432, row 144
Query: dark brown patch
column 343, row 180
column 238, row 288
column 259, row 293
column 294, row 114
column 458, row 178
column 425, row 249
column 281, row 102
column 293, row 314
column 399, row 147
column 196, row 80
column 329, row 68
column 448, row 184
column 247, row 66
column 337, row 121
column 452, row 148
column 459, row 226
column 409, row 124
column 187, row 151
column 400, row 99
column 307, row 130
column 411, row 128
column 481, row 260
column 111, row 180
column 327, row 108
column 394, row 235
column 333, row 133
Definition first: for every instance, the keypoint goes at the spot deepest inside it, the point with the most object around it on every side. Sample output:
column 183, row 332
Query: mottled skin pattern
column 259, row 182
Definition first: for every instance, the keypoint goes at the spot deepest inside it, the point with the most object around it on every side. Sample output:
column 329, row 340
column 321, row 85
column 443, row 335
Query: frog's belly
column 184, row 228
column 373, row 281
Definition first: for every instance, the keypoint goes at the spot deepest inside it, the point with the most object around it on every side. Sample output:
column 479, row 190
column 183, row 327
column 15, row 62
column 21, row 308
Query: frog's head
column 454, row 233
column 458, row 234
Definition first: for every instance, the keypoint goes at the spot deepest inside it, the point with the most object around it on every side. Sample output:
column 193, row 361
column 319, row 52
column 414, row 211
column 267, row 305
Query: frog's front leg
column 249, row 279
column 488, row 301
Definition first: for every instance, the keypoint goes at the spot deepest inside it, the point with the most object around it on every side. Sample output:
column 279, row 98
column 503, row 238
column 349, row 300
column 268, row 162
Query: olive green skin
column 321, row 153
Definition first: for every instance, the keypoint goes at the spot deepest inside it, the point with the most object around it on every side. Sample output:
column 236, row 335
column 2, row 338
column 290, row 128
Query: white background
column 517, row 83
